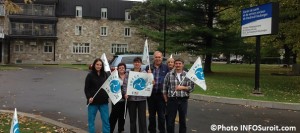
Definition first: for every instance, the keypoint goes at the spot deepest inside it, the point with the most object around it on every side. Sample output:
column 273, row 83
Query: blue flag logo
column 139, row 84
column 115, row 86
column 199, row 73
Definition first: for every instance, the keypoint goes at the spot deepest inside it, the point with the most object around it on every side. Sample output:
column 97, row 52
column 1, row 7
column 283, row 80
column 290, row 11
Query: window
column 48, row 47
column 127, row 15
column 127, row 32
column 81, row 48
column 1, row 32
column 78, row 30
column 103, row 13
column 78, row 11
column 103, row 31
column 19, row 46
column 2, row 10
column 119, row 48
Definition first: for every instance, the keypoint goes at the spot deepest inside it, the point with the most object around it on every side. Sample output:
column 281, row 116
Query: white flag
column 139, row 84
column 106, row 65
column 112, row 86
column 15, row 124
column 145, row 58
column 196, row 74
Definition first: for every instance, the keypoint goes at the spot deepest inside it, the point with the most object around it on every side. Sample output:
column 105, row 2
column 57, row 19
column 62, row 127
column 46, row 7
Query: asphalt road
column 57, row 93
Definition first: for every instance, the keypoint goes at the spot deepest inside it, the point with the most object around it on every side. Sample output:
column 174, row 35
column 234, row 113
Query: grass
column 238, row 81
column 8, row 67
column 28, row 125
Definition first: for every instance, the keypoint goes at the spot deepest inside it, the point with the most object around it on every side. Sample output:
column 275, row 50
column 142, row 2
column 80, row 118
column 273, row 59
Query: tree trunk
column 208, row 39
column 295, row 58
column 287, row 55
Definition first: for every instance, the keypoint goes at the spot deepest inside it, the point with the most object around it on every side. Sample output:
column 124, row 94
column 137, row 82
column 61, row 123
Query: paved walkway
column 266, row 104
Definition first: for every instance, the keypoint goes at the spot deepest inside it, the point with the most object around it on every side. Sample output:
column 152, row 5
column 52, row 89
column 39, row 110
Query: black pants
column 156, row 104
column 137, row 108
column 174, row 104
column 117, row 114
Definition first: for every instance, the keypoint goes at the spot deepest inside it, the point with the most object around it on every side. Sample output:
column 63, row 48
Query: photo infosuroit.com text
column 252, row 128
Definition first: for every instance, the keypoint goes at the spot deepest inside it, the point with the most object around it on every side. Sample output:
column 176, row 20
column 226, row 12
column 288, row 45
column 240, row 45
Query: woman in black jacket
column 94, row 80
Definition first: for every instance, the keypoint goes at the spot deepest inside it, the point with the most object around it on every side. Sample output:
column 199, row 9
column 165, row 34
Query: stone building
column 68, row 32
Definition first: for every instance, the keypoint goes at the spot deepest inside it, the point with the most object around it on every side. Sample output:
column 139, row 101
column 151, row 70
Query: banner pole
column 125, row 109
column 179, row 84
column 93, row 96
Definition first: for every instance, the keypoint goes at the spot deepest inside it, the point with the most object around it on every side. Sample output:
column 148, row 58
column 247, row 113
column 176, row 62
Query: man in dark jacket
column 156, row 102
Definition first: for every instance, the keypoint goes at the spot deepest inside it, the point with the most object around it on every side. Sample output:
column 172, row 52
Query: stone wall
column 31, row 54
column 91, row 34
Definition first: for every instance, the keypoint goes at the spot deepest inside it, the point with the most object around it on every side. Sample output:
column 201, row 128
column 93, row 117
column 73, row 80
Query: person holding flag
column 97, row 99
column 156, row 104
column 176, row 91
column 136, row 104
column 118, row 110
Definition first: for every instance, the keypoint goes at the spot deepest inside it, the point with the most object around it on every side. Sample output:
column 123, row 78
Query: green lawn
column 237, row 81
column 28, row 125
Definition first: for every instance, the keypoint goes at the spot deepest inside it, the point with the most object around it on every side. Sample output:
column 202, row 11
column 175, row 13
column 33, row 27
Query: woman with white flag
column 136, row 104
column 97, row 99
column 117, row 110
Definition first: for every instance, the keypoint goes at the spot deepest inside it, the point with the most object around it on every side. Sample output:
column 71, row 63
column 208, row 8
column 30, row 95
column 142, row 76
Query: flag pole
column 94, row 96
column 125, row 109
column 179, row 84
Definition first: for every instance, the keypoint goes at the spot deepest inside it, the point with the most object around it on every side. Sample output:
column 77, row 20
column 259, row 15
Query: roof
column 92, row 8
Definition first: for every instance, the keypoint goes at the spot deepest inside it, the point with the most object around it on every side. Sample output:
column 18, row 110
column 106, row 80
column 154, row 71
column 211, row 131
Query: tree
column 191, row 25
column 12, row 7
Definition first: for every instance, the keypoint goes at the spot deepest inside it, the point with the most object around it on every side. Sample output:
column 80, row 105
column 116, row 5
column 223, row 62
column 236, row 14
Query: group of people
column 170, row 94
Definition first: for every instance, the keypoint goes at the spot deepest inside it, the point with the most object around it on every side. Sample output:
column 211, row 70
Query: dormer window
column 78, row 11
column 103, row 13
column 127, row 15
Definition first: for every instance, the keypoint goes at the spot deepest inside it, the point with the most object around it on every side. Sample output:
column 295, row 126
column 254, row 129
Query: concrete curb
column 47, row 120
column 266, row 104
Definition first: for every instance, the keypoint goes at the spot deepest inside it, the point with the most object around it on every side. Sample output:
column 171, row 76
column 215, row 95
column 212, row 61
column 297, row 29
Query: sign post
column 257, row 21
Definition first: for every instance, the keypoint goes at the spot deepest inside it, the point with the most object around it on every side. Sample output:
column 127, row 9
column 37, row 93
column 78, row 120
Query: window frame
column 49, row 45
column 19, row 47
column 83, row 49
column 127, row 15
column 119, row 47
column 101, row 31
column 78, row 30
column 103, row 13
column 127, row 32
column 78, row 11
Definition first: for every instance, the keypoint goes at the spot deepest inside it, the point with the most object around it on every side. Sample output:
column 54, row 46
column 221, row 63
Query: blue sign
column 260, row 20
column 114, row 86
column 256, row 13
column 199, row 73
column 139, row 84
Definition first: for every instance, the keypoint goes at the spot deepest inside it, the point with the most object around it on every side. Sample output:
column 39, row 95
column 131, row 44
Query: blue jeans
column 104, row 113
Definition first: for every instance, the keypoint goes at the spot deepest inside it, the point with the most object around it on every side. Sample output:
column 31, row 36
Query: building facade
column 69, row 32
